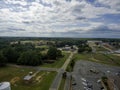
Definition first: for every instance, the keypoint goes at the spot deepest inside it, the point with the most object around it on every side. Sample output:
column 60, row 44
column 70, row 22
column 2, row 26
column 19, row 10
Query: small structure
column 117, row 51
column 5, row 86
column 67, row 48
column 28, row 78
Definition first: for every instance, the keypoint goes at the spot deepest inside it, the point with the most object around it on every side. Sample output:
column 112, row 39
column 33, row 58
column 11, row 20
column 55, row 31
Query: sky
column 60, row 18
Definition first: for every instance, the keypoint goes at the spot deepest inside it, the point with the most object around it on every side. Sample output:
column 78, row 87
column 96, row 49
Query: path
column 56, row 83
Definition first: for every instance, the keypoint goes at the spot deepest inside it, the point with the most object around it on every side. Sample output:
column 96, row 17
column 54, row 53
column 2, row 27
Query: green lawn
column 100, row 58
column 114, row 58
column 86, row 56
column 44, row 84
column 100, row 48
column 58, row 63
column 62, row 84
column 42, row 46
column 9, row 73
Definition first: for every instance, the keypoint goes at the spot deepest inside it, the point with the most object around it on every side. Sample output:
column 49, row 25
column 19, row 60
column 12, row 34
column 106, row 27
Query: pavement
column 83, row 77
column 68, row 82
column 56, row 83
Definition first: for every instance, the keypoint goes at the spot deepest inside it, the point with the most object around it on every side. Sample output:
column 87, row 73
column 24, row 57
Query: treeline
column 69, row 42
column 84, row 48
column 27, row 55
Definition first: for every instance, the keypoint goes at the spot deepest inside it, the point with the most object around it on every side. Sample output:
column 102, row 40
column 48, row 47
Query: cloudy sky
column 60, row 18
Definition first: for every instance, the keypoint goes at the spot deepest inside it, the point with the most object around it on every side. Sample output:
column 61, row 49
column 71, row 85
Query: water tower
column 5, row 86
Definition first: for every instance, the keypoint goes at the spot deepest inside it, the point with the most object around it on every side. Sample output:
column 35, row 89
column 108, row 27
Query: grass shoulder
column 58, row 63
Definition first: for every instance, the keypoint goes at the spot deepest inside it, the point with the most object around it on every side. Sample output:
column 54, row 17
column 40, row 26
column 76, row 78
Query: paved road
column 67, row 82
column 82, row 75
column 68, row 61
column 56, row 83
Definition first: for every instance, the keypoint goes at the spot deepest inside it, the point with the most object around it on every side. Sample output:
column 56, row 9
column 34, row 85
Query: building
column 28, row 78
column 117, row 51
column 67, row 48
column 5, row 86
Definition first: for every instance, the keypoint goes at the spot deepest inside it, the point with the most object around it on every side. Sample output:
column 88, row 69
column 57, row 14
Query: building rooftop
column 4, row 85
column 28, row 77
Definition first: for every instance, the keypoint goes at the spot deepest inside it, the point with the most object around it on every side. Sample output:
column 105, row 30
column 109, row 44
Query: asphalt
column 56, row 83
column 83, row 77
column 68, row 81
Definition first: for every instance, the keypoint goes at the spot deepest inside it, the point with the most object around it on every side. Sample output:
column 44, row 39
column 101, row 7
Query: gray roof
column 28, row 77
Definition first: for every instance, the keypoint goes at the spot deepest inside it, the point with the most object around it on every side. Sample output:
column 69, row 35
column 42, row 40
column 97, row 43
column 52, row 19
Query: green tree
column 81, row 49
column 30, row 58
column 72, row 63
column 3, row 60
column 59, row 53
column 10, row 54
column 52, row 53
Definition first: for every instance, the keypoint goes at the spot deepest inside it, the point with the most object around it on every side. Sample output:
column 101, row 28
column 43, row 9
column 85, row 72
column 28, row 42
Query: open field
column 115, row 59
column 58, row 63
column 7, row 73
column 42, row 46
column 62, row 84
column 100, row 58
column 100, row 48
column 16, row 75
column 117, row 54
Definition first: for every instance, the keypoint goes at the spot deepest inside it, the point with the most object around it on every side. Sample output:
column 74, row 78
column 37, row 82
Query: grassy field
column 7, row 73
column 100, row 58
column 58, row 63
column 15, row 77
column 62, row 84
column 100, row 48
column 114, row 58
column 43, row 46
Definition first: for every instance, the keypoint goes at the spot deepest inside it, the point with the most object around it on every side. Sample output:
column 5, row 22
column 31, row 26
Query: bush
column 30, row 58
column 3, row 60
column 53, row 53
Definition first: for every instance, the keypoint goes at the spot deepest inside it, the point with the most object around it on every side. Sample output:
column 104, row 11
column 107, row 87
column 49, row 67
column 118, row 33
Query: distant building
column 14, row 43
column 67, row 48
column 97, row 42
column 117, row 51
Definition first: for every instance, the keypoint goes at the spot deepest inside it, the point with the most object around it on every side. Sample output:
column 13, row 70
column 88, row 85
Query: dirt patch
column 14, row 80
column 117, row 54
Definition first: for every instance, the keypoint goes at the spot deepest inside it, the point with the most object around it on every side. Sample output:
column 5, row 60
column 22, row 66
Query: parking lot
column 87, row 75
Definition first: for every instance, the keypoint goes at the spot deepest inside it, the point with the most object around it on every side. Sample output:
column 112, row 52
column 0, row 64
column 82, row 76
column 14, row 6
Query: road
column 56, row 83
column 68, row 81
column 67, row 61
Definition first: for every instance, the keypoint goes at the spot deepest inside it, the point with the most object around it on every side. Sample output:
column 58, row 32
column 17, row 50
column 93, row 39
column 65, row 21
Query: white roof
column 4, row 85
column 118, row 51
column 28, row 77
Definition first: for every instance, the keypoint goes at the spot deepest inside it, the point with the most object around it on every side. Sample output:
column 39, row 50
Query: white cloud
column 21, row 2
column 44, row 15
